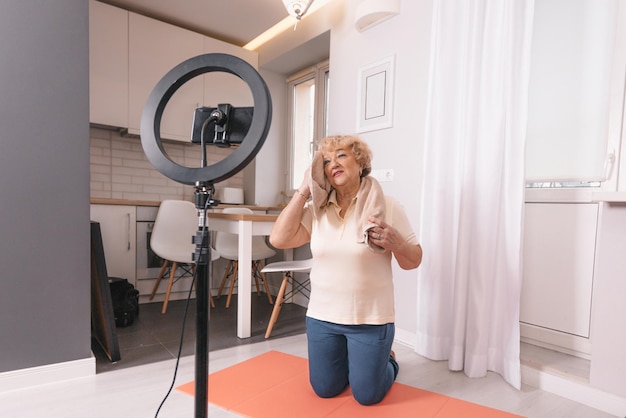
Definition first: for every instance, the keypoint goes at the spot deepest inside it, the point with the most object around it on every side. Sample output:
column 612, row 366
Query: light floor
column 137, row 392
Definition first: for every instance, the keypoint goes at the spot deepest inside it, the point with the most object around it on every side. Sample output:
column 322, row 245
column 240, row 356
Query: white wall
column 400, row 147
column 269, row 164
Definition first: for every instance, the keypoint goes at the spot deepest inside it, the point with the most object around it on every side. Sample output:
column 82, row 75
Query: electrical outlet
column 383, row 174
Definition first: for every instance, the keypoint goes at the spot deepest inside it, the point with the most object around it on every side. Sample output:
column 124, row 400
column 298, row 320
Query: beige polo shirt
column 351, row 284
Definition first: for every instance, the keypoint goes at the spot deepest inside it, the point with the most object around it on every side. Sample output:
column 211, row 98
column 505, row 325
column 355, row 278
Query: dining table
column 245, row 226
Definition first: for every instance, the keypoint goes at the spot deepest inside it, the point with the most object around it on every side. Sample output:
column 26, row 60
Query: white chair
column 288, row 268
column 172, row 240
column 227, row 246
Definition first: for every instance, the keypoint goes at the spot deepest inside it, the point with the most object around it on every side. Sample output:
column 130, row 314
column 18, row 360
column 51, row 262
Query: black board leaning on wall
column 102, row 318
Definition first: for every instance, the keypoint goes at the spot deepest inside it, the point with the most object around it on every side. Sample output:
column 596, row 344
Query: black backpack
column 125, row 300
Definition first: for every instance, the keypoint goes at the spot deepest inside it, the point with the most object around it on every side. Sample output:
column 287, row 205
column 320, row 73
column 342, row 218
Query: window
column 308, row 115
column 569, row 142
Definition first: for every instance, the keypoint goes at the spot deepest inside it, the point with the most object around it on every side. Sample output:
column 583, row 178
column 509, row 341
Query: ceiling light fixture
column 369, row 13
column 297, row 8
column 283, row 25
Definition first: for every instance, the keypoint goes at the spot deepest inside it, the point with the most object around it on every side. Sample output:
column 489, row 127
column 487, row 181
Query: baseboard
column 405, row 338
column 574, row 390
column 50, row 373
column 573, row 345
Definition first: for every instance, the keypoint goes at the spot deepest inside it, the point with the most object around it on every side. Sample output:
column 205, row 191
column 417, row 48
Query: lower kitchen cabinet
column 608, row 363
column 559, row 254
column 119, row 237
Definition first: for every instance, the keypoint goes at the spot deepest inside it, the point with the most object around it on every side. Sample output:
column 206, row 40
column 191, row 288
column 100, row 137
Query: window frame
column 320, row 74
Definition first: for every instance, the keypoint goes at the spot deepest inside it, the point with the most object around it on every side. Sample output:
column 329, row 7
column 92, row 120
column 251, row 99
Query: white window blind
column 571, row 61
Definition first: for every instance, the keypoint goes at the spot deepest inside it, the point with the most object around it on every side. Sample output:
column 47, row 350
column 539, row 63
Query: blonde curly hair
column 359, row 148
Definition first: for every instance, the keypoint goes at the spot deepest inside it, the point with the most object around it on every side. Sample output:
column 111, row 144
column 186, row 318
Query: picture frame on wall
column 375, row 95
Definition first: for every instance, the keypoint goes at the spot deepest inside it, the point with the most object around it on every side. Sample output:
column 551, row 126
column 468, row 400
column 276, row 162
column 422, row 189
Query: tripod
column 202, row 257
column 204, row 177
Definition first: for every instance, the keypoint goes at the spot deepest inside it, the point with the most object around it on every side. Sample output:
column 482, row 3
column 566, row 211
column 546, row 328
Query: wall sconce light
column 297, row 8
column 372, row 12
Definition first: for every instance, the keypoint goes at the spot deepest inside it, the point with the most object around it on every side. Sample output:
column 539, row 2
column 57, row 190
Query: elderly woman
column 353, row 230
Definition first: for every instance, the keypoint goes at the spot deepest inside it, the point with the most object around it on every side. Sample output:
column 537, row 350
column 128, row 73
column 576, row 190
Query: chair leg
column 226, row 273
column 169, row 286
column 233, row 280
column 159, row 277
column 211, row 301
column 260, row 266
column 256, row 273
column 277, row 305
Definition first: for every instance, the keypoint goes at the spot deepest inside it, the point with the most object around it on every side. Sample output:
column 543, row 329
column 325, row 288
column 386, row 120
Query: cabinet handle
column 128, row 230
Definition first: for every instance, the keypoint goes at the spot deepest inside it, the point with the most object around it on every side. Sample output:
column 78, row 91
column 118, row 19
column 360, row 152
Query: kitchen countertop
column 125, row 202
column 243, row 216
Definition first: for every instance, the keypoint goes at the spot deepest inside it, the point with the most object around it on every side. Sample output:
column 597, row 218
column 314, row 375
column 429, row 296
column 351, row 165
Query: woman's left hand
column 409, row 256
column 385, row 235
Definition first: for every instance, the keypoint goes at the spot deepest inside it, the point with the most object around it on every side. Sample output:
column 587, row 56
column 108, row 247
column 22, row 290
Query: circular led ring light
column 172, row 81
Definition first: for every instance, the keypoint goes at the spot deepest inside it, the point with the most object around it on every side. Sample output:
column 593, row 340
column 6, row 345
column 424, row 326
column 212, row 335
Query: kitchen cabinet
column 154, row 49
column 558, row 264
column 130, row 53
column 108, row 65
column 608, row 363
column 119, row 237
column 221, row 87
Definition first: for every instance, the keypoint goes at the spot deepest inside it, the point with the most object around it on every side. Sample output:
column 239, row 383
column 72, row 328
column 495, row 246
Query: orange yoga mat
column 276, row 385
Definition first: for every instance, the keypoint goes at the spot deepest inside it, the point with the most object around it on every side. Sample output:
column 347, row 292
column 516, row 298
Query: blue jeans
column 355, row 355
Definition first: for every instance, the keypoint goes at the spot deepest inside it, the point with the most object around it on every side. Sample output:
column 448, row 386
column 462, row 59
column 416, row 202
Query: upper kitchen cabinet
column 221, row 87
column 154, row 49
column 108, row 65
column 130, row 53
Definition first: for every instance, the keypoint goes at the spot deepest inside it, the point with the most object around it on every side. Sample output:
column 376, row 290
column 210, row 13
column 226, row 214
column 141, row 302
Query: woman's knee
column 371, row 389
column 368, row 395
column 328, row 389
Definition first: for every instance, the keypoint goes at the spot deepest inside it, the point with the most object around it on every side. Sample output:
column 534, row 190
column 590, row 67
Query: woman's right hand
column 305, row 186
column 288, row 232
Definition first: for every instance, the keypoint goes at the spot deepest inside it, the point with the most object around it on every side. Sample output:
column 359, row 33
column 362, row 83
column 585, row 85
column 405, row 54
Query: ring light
column 172, row 81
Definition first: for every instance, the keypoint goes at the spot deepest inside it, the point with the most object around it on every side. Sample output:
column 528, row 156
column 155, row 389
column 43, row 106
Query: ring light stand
column 204, row 177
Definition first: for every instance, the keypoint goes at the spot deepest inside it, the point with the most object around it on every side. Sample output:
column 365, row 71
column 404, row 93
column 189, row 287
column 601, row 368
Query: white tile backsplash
column 119, row 168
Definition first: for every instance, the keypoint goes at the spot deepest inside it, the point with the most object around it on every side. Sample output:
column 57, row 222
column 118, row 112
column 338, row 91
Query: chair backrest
column 227, row 244
column 175, row 225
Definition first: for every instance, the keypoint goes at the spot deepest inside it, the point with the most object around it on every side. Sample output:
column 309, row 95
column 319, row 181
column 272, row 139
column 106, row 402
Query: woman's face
column 341, row 168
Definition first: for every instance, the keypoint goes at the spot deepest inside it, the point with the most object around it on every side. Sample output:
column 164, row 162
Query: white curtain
column 473, row 193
